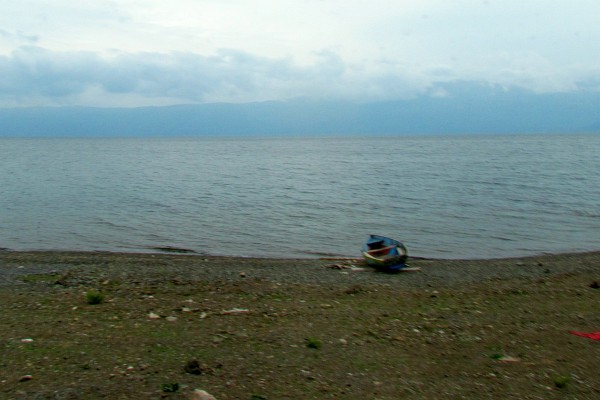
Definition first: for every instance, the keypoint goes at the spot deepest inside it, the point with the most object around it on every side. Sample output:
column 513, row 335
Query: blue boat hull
column 385, row 254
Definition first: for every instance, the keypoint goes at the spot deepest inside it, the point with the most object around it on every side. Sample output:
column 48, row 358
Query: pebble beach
column 191, row 326
column 303, row 271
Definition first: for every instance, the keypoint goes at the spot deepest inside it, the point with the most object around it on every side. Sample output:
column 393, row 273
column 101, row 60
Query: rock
column 153, row 316
column 308, row 375
column 193, row 367
column 201, row 395
column 234, row 311
column 25, row 378
column 508, row 359
column 171, row 319
column 170, row 387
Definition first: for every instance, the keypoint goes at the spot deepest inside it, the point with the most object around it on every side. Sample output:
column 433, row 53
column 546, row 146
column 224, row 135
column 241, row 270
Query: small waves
column 461, row 197
column 587, row 213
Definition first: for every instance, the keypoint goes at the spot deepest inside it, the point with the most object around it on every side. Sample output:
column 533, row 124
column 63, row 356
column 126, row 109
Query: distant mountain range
column 465, row 111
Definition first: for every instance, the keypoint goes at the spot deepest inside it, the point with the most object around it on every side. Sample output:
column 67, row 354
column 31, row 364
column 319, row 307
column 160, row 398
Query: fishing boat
column 385, row 254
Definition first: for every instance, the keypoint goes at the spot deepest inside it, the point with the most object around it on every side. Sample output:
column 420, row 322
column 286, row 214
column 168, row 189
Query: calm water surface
column 455, row 197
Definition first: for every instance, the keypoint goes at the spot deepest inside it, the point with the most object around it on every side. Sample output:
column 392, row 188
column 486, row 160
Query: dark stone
column 193, row 367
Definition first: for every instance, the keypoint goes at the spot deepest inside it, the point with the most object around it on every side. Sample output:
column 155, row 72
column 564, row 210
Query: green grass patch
column 496, row 353
column 562, row 381
column 313, row 343
column 94, row 297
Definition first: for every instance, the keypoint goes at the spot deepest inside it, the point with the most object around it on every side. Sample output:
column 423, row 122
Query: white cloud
column 134, row 52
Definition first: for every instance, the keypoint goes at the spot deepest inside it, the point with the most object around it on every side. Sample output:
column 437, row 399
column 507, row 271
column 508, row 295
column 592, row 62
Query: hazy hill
column 465, row 110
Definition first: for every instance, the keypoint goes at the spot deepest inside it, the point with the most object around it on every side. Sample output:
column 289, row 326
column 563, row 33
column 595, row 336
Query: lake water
column 452, row 197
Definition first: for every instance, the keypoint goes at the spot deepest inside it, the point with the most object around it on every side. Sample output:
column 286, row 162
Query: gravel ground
column 296, row 328
column 153, row 267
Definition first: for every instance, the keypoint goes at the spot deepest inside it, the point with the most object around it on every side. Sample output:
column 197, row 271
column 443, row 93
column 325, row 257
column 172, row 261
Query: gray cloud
column 132, row 53
column 36, row 76
column 229, row 75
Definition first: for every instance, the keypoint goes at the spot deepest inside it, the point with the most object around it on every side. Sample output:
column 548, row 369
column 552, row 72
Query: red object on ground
column 592, row 335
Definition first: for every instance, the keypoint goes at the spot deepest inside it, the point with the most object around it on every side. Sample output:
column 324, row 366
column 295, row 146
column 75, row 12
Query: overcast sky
column 157, row 52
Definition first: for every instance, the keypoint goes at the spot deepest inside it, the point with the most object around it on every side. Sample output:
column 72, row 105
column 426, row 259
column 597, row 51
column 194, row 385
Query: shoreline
column 320, row 271
column 310, row 254
column 314, row 256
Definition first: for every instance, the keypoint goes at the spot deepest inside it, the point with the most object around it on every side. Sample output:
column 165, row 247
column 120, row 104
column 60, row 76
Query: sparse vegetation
column 496, row 353
column 562, row 381
column 328, row 339
column 313, row 343
column 94, row 297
